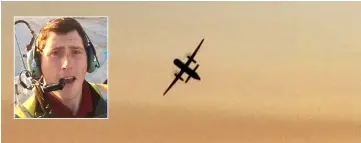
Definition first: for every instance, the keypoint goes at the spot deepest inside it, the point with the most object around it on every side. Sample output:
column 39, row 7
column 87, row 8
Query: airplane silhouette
column 185, row 68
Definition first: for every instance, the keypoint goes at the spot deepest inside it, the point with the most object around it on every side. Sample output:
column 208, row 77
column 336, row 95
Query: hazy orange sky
column 277, row 58
column 291, row 59
column 260, row 60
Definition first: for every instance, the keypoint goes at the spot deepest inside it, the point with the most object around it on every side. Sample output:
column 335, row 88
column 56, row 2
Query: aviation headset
column 34, row 64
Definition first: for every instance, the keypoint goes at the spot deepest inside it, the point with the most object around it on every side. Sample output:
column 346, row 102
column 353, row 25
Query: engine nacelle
column 196, row 68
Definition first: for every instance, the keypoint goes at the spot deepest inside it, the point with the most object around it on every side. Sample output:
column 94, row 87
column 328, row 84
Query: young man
column 62, row 51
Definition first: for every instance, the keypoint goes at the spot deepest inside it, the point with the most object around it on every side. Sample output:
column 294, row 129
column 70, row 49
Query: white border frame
column 107, row 60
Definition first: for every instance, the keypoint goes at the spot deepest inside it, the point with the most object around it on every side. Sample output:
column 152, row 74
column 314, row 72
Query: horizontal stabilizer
column 179, row 77
column 194, row 61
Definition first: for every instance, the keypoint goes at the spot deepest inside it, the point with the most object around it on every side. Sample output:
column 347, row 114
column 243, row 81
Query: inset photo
column 61, row 67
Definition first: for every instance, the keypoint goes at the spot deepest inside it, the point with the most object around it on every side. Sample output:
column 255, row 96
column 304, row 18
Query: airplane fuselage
column 186, row 69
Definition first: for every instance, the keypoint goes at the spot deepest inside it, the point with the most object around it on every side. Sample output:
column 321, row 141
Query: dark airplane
column 185, row 68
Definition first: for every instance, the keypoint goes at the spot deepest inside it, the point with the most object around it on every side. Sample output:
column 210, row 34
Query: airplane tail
column 189, row 75
column 194, row 61
column 179, row 77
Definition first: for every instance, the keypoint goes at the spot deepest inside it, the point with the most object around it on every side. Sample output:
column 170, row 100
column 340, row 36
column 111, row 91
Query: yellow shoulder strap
column 27, row 109
column 101, row 89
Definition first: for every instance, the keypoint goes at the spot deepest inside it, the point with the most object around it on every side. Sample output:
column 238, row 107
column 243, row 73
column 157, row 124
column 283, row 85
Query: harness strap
column 24, row 113
column 24, row 110
column 104, row 91
column 101, row 90
column 101, row 107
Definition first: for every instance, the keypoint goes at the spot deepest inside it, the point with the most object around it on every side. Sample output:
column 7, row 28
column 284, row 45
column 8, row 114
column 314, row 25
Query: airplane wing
column 194, row 53
column 173, row 82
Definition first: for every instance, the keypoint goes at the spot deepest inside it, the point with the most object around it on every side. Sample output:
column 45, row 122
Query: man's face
column 64, row 56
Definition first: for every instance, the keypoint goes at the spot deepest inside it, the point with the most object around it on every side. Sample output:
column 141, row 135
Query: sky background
column 285, row 60
column 271, row 72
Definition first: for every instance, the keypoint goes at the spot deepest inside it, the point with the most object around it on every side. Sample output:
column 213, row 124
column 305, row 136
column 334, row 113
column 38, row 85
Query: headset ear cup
column 33, row 65
column 91, row 59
